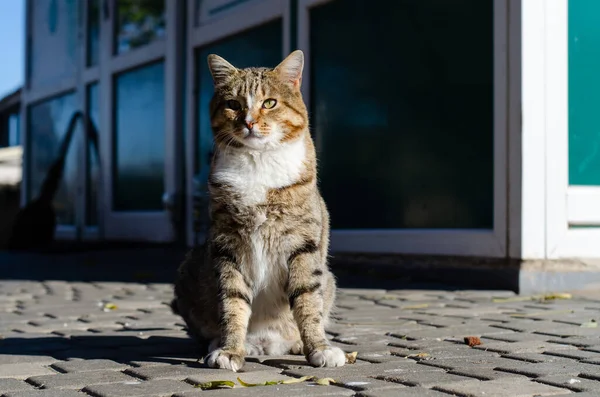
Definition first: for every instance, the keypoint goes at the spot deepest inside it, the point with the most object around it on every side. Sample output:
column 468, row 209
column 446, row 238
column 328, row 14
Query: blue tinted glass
column 402, row 105
column 93, row 32
column 139, row 140
column 260, row 46
column 53, row 50
column 48, row 122
column 14, row 129
column 93, row 165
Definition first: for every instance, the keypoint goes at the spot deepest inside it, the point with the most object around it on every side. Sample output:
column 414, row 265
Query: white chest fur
column 252, row 173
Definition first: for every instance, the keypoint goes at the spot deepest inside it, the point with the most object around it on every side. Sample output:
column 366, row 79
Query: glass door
column 138, row 105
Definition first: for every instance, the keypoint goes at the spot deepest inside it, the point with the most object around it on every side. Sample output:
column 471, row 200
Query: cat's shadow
column 127, row 349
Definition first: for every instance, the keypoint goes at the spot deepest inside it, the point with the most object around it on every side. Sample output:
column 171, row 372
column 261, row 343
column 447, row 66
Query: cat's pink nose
column 249, row 124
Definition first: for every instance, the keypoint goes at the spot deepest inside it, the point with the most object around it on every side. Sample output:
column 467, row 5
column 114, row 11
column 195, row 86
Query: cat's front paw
column 328, row 356
column 225, row 359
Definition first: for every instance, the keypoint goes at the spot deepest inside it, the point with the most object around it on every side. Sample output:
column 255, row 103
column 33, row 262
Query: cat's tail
column 175, row 307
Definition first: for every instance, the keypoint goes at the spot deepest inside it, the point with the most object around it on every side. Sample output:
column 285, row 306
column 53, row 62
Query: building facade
column 463, row 127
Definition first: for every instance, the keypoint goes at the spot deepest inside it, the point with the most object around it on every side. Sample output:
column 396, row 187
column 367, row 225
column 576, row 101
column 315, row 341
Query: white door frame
column 30, row 95
column 567, row 205
column 238, row 19
column 468, row 242
column 153, row 226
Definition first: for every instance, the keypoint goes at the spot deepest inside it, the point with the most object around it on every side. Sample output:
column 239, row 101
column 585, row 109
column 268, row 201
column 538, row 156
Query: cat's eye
column 269, row 103
column 234, row 105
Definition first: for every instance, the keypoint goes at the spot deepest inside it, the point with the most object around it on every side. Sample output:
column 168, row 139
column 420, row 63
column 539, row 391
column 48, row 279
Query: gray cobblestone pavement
column 112, row 339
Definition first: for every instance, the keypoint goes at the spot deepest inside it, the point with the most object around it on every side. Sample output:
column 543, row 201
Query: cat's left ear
column 290, row 69
column 220, row 69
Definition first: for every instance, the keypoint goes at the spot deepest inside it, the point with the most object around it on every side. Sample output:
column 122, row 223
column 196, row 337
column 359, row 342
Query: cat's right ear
column 219, row 68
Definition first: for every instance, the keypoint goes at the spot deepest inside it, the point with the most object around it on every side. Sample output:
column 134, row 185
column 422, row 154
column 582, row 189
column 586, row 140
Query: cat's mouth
column 250, row 135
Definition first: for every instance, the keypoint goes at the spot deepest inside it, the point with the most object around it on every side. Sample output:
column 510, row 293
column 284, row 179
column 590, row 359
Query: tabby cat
column 262, row 284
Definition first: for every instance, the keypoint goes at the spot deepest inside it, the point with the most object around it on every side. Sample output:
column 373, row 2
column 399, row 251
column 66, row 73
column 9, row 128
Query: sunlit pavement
column 120, row 339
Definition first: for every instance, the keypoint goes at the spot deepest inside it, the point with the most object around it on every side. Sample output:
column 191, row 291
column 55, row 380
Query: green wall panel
column 584, row 92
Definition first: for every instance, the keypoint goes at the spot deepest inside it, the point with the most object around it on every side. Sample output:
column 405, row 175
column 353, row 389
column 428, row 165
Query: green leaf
column 216, row 384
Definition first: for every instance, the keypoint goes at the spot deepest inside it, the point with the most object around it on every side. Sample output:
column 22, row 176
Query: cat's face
column 257, row 108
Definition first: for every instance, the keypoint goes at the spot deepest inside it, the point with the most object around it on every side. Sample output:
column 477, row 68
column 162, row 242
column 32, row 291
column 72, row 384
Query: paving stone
column 517, row 337
column 427, row 379
column 364, row 339
column 536, row 358
column 88, row 365
column 79, row 380
column 583, row 394
column 546, row 369
column 522, row 347
column 359, row 383
column 383, row 369
column 574, row 353
column 8, row 384
column 135, row 388
column 407, row 392
column 574, row 383
column 590, row 373
column 294, row 390
column 46, row 393
column 500, row 388
column 24, row 370
column 248, row 377
column 523, row 325
column 455, row 332
column 579, row 341
column 483, row 373
column 378, row 358
column 160, row 360
column 469, row 363
column 181, row 372
column 568, row 331
column 449, row 352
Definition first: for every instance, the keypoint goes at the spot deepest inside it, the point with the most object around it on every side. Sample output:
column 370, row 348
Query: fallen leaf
column 324, row 381
column 216, row 384
column 420, row 356
column 543, row 297
column 297, row 380
column 109, row 306
column 266, row 383
column 590, row 324
column 472, row 341
column 351, row 357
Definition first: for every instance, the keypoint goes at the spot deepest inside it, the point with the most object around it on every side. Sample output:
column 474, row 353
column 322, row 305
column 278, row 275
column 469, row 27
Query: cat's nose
column 250, row 124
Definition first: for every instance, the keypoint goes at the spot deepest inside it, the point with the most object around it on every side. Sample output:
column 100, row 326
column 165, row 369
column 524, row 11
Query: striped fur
column 262, row 285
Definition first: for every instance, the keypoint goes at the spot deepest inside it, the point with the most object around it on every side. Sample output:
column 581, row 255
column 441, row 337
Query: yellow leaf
column 324, row 381
column 297, row 380
column 216, row 384
column 351, row 357
column 418, row 355
column 110, row 306
column 545, row 297
column 245, row 384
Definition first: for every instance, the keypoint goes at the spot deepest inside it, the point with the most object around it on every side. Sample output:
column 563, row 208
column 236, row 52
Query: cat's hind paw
column 225, row 359
column 329, row 356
